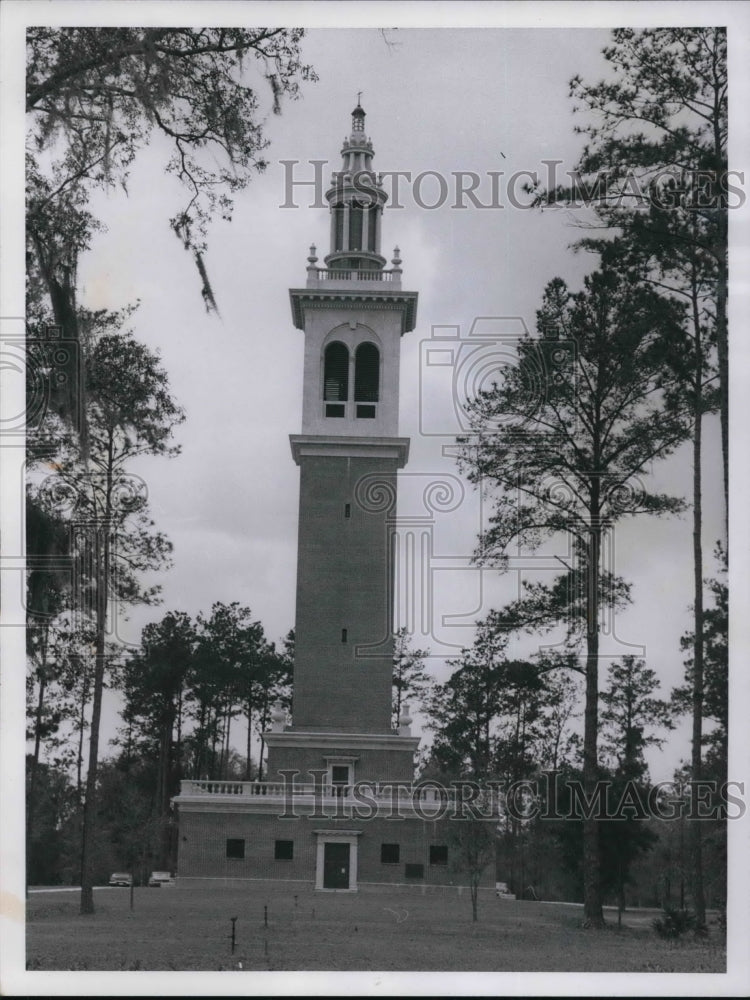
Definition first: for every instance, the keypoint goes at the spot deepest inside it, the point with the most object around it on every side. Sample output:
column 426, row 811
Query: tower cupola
column 356, row 199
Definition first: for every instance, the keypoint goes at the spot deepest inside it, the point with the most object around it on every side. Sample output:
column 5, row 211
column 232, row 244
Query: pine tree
column 569, row 459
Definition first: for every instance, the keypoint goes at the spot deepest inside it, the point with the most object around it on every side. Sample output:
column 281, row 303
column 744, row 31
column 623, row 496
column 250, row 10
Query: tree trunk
column 90, row 803
column 59, row 277
column 722, row 332
column 592, row 897
column 224, row 773
column 102, row 531
column 82, row 728
column 722, row 341
column 178, row 741
column 397, row 702
column 31, row 793
column 263, row 721
column 248, row 748
column 200, row 743
column 213, row 720
column 697, row 734
column 164, row 787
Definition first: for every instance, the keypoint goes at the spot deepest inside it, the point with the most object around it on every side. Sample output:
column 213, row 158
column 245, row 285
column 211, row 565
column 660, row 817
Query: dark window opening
column 414, row 871
column 343, row 635
column 347, row 510
column 335, row 410
column 235, row 847
column 371, row 233
column 355, row 226
column 438, row 854
column 283, row 850
column 339, row 217
column 367, row 374
column 339, row 779
column 389, row 854
column 365, row 411
column 336, row 372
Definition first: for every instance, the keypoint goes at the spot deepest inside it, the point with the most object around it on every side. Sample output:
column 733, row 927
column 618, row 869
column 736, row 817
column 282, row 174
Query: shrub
column 674, row 922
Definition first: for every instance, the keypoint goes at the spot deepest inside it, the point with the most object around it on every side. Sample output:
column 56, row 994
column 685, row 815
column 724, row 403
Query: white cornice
column 342, row 298
column 293, row 809
column 342, row 741
column 350, row 446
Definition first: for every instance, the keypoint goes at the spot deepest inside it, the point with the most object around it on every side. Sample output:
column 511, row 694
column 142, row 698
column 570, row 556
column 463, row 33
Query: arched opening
column 336, row 379
column 366, row 379
column 338, row 214
column 372, row 230
column 355, row 226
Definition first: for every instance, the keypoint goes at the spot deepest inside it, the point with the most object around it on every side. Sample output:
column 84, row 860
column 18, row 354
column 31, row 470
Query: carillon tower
column 353, row 313
column 324, row 815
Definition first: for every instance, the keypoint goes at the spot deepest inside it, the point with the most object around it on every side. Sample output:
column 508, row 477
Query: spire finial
column 358, row 116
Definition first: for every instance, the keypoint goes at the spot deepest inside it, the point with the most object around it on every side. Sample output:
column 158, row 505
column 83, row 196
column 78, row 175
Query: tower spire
column 356, row 199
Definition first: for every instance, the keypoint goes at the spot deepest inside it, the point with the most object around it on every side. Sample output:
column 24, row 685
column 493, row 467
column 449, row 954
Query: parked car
column 121, row 878
column 160, row 878
column 502, row 891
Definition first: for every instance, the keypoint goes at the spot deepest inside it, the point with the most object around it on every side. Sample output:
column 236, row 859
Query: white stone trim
column 339, row 741
column 336, row 837
column 354, row 293
column 350, row 446
column 339, row 761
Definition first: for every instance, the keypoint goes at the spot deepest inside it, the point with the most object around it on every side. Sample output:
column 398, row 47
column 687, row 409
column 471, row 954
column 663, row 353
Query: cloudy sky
column 464, row 87
column 442, row 100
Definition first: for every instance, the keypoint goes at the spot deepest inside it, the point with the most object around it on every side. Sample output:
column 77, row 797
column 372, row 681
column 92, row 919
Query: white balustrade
column 428, row 794
column 318, row 275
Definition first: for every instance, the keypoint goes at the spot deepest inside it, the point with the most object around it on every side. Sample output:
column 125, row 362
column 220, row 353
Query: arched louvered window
column 366, row 379
column 336, row 379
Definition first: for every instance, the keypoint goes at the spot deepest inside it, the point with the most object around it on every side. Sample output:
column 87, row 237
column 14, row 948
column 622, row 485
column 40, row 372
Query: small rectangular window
column 414, row 871
column 335, row 410
column 235, row 847
column 438, row 854
column 347, row 510
column 340, row 779
column 283, row 850
column 389, row 854
column 343, row 635
column 365, row 412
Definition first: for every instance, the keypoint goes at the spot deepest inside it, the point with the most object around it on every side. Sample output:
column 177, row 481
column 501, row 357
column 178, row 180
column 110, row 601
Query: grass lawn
column 189, row 929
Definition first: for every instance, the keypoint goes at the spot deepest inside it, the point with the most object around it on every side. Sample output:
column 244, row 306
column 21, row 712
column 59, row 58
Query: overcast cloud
column 440, row 100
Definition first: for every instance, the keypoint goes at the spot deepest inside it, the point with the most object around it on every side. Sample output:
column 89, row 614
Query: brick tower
column 325, row 816
column 353, row 313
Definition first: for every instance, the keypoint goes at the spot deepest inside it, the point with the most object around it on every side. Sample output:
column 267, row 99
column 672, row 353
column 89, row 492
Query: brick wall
column 372, row 765
column 343, row 582
column 203, row 848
